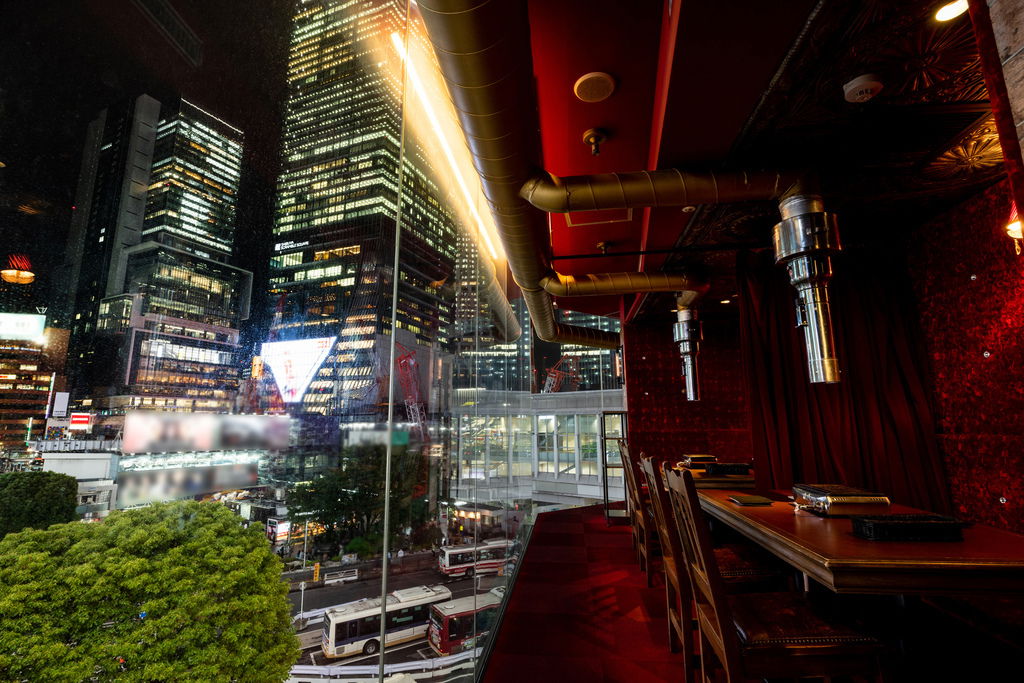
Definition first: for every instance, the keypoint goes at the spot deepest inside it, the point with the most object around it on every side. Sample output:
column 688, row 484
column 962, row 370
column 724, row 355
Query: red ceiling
column 682, row 97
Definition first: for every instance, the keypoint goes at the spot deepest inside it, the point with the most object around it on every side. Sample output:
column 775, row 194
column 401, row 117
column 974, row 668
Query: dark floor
column 581, row 610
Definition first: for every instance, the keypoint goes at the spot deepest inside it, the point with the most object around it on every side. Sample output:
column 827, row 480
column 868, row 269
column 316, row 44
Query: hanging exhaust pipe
column 687, row 334
column 804, row 240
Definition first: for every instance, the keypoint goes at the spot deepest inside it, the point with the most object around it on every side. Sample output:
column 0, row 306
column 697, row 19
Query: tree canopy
column 178, row 591
column 36, row 500
column 349, row 500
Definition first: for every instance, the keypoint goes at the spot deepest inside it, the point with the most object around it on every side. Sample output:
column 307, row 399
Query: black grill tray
column 923, row 527
column 718, row 469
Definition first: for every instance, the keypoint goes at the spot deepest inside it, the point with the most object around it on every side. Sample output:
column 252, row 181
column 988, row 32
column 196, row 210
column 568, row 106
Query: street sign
column 316, row 572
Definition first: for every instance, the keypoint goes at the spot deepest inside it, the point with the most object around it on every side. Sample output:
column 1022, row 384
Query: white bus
column 355, row 626
column 466, row 560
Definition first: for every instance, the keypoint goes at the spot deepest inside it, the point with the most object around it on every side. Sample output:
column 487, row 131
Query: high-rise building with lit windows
column 193, row 187
column 337, row 205
column 159, row 304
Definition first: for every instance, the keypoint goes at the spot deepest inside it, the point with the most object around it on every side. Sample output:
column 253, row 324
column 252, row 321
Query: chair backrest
column 629, row 472
column 663, row 517
column 713, row 613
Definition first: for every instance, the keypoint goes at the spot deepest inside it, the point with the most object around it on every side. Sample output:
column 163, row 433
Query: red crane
column 409, row 378
column 566, row 372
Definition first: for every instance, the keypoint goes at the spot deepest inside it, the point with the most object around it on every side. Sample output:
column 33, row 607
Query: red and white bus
column 466, row 560
column 461, row 624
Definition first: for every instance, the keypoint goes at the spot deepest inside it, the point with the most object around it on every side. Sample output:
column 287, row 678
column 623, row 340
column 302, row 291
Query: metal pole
column 302, row 605
column 389, row 447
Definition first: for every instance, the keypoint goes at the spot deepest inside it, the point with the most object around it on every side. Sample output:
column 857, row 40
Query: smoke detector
column 595, row 86
column 862, row 88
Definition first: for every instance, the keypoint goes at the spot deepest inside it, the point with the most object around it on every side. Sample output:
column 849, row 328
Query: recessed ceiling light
column 725, row 301
column 951, row 10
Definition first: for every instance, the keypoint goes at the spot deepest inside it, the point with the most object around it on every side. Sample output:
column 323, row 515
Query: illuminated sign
column 80, row 421
column 157, row 432
column 22, row 326
column 294, row 363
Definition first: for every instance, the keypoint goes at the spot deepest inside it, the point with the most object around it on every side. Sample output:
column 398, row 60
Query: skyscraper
column 158, row 304
column 338, row 202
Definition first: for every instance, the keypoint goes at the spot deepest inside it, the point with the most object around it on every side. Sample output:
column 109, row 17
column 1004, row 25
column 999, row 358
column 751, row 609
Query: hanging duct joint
column 804, row 240
column 687, row 334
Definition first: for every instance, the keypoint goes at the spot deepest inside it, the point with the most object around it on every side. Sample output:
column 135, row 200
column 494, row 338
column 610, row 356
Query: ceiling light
column 725, row 301
column 951, row 10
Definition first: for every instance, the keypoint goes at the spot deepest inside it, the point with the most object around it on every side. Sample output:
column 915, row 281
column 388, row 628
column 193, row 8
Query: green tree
column 215, row 608
column 349, row 501
column 36, row 500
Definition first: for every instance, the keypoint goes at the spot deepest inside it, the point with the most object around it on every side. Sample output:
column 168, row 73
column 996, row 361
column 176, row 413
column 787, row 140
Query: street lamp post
column 305, row 540
column 302, row 605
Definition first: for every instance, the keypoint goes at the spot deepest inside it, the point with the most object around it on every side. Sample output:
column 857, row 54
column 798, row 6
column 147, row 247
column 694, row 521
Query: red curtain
column 874, row 429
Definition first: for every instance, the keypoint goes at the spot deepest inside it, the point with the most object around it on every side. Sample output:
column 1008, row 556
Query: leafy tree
column 36, row 500
column 179, row 591
column 349, row 501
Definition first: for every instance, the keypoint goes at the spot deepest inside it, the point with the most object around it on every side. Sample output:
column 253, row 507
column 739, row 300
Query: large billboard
column 156, row 432
column 152, row 486
column 22, row 326
column 294, row 364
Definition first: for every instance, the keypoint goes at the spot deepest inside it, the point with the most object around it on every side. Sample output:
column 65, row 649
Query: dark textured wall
column 661, row 421
column 969, row 285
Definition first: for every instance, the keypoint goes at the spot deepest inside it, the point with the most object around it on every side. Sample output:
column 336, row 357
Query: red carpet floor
column 580, row 609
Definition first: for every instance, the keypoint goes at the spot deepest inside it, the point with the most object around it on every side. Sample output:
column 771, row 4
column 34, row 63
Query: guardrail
column 305, row 673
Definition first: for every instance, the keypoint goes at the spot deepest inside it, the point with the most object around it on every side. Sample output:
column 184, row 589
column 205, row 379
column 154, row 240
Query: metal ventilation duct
column 804, row 241
column 484, row 53
column 687, row 334
column 483, row 48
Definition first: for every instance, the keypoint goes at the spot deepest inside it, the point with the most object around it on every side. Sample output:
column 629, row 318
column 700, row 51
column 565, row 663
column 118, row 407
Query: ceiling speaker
column 595, row 86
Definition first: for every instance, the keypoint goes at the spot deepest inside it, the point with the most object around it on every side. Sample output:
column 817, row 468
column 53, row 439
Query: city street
column 328, row 596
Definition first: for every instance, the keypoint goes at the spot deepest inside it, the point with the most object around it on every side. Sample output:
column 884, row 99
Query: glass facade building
column 159, row 304
column 331, row 273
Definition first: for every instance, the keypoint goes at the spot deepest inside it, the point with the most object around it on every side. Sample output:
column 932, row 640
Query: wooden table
column 988, row 560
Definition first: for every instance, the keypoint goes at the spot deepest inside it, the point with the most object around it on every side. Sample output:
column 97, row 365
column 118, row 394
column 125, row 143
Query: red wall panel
column 661, row 421
column 969, row 285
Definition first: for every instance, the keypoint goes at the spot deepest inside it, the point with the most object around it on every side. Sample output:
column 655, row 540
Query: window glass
column 269, row 279
column 546, row 444
column 566, row 446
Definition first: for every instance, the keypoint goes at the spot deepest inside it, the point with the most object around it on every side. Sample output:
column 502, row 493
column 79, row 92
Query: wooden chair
column 638, row 502
column 760, row 635
column 742, row 570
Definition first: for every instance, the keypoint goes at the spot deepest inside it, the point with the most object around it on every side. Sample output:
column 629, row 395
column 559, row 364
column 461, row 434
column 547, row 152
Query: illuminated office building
column 158, row 308
column 334, row 232
column 31, row 367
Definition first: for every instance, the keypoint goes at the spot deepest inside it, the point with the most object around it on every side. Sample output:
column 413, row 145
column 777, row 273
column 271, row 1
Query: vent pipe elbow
column 804, row 240
column 687, row 334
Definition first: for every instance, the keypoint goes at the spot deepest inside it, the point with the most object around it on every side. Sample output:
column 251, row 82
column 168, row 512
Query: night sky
column 62, row 61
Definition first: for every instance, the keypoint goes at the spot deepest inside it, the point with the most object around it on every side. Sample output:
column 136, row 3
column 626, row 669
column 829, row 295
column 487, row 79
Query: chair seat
column 740, row 563
column 786, row 621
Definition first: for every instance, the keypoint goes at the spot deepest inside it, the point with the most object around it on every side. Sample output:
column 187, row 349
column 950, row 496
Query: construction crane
column 409, row 378
column 565, row 373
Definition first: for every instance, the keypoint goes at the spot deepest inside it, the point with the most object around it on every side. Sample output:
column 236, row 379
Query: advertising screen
column 60, row 404
column 294, row 363
column 153, row 486
column 156, row 432
column 22, row 326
